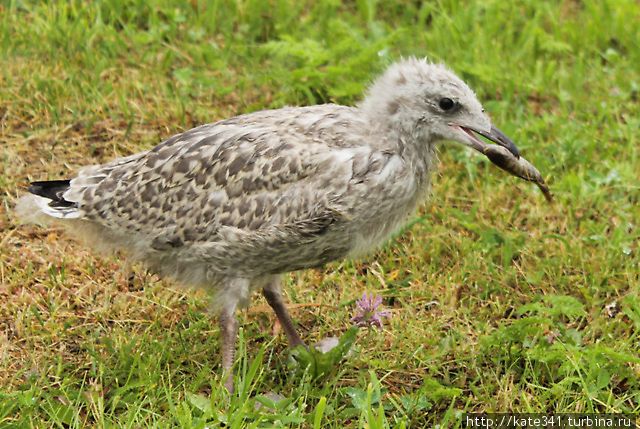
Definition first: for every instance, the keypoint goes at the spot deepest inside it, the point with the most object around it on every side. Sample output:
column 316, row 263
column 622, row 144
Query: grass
column 500, row 302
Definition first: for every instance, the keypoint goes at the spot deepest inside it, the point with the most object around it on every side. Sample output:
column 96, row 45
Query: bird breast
column 389, row 195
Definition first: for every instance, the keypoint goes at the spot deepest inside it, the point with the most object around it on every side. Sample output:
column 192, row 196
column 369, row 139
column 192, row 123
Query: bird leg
column 273, row 296
column 228, row 332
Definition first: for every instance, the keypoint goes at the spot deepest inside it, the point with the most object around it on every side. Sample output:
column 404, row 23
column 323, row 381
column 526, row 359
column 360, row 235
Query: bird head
column 430, row 103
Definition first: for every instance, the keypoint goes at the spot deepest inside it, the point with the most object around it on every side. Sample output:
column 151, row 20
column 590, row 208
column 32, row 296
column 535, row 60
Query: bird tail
column 47, row 201
column 53, row 190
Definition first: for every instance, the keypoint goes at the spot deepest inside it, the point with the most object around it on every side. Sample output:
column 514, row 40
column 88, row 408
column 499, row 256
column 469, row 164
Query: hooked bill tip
column 498, row 137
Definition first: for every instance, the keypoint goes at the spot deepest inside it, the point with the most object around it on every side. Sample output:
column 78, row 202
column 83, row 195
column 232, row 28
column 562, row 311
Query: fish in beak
column 506, row 155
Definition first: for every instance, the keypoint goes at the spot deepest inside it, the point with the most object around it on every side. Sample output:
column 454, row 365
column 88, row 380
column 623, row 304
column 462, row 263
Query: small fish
column 520, row 167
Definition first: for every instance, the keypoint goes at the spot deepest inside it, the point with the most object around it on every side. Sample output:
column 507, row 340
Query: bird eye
column 446, row 104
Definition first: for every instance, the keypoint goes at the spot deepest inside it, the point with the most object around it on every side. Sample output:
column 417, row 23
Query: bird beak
column 495, row 135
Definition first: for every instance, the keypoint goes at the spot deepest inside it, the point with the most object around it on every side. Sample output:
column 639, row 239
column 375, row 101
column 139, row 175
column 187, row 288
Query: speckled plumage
column 300, row 184
column 231, row 205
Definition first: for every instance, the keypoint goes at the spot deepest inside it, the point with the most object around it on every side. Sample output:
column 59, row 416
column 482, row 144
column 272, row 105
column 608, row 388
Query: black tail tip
column 53, row 190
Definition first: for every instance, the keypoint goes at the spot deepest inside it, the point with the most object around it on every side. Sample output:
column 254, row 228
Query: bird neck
column 411, row 143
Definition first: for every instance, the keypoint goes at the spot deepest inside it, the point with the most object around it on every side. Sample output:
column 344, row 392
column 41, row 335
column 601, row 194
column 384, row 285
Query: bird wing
column 270, row 178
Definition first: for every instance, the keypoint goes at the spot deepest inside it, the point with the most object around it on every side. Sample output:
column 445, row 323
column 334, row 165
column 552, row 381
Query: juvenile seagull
column 231, row 206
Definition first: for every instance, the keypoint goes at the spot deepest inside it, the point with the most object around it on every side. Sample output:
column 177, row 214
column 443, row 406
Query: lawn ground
column 499, row 301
